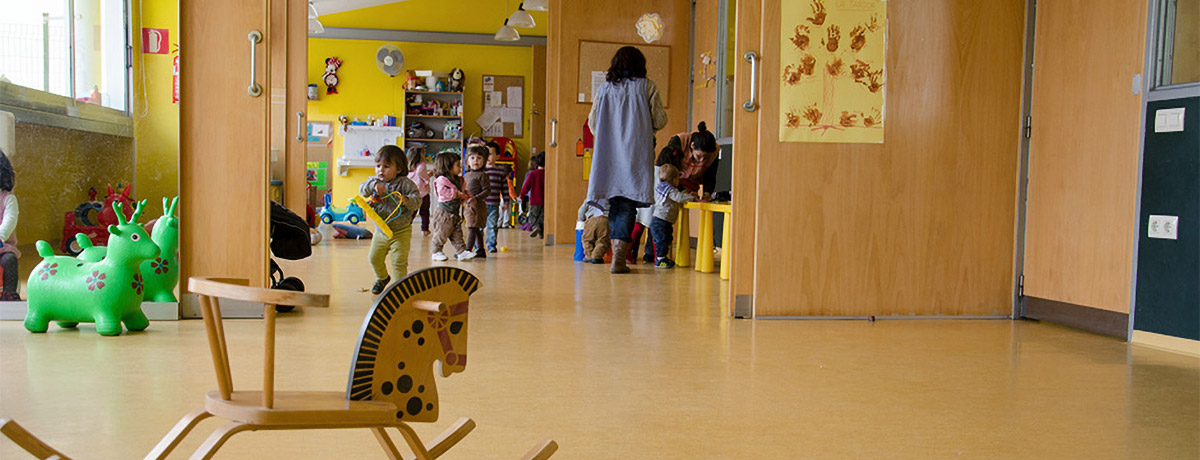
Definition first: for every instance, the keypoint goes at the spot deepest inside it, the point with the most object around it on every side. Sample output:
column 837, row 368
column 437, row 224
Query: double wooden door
column 236, row 58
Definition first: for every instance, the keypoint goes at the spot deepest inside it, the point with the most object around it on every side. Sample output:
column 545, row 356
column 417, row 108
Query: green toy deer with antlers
column 108, row 291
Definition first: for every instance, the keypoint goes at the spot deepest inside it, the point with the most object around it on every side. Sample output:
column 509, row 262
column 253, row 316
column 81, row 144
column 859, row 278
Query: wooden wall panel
column 922, row 224
column 704, row 86
column 605, row 21
column 745, row 157
column 1084, row 152
column 223, row 142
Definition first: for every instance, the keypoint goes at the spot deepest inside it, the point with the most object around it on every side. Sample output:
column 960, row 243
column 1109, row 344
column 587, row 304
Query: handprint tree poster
column 833, row 74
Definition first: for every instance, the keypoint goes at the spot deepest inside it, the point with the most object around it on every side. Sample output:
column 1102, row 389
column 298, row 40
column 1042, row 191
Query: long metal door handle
column 553, row 132
column 255, row 37
column 752, row 104
column 300, row 126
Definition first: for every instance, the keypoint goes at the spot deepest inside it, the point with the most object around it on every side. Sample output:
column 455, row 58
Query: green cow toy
column 161, row 273
column 108, row 292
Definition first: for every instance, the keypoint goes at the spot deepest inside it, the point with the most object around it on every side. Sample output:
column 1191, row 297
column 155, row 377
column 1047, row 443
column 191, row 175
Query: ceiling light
column 315, row 27
column 538, row 5
column 521, row 18
column 507, row 33
column 312, row 11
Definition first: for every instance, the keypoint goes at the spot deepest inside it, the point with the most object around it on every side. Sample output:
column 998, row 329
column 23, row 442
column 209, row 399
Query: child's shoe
column 465, row 255
column 379, row 285
column 480, row 254
column 439, row 257
column 10, row 296
column 665, row 263
column 492, row 250
column 594, row 261
column 648, row 258
column 425, row 232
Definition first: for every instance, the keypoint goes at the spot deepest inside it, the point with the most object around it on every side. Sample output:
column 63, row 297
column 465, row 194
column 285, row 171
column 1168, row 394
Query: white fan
column 390, row 60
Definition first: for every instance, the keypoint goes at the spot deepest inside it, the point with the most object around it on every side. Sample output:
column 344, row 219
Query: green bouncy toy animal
column 161, row 273
column 108, row 292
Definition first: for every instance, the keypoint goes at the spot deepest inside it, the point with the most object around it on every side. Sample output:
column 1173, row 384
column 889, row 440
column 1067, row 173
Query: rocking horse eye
column 135, row 237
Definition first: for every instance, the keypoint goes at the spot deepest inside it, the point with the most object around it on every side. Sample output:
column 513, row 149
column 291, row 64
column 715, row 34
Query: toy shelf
column 356, row 138
column 435, row 125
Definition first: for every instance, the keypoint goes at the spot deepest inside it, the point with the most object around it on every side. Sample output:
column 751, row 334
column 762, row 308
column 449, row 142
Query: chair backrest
column 418, row 320
column 28, row 441
column 210, row 290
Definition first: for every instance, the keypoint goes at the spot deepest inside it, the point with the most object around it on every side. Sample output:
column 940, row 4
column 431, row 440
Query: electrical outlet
column 1163, row 227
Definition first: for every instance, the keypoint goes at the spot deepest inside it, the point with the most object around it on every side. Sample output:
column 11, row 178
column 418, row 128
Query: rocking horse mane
column 394, row 330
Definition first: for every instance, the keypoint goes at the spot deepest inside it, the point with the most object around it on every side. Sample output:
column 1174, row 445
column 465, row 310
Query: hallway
column 644, row 366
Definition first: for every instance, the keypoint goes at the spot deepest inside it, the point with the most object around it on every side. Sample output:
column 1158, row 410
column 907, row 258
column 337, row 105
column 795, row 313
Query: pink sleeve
column 444, row 189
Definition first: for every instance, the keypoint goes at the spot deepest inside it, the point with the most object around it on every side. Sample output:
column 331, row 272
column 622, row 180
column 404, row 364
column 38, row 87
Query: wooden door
column 223, row 139
column 289, row 51
column 1083, row 152
column 921, row 224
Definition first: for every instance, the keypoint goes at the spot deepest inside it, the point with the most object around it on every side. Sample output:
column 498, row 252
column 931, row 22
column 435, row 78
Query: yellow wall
column 155, row 117
column 365, row 90
column 470, row 16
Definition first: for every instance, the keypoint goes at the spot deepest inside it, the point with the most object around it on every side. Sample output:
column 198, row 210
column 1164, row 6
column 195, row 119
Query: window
column 1178, row 56
column 36, row 49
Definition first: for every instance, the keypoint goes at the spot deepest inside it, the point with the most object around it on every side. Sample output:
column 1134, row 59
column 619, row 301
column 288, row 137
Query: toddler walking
column 667, row 199
column 475, row 213
column 447, row 213
column 420, row 176
column 394, row 197
column 534, row 186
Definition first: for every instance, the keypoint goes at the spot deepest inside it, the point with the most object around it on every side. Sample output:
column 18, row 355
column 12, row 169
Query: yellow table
column 704, row 241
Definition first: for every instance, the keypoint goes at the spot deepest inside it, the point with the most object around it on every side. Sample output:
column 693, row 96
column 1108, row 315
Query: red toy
column 98, row 233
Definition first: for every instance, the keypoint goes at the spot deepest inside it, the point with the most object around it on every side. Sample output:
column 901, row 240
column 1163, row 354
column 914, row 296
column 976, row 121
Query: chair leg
column 541, row 451
column 386, row 442
column 177, row 433
column 218, row 438
column 28, row 441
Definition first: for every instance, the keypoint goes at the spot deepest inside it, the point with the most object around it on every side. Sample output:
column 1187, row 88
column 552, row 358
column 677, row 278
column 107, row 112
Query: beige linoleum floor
column 644, row 366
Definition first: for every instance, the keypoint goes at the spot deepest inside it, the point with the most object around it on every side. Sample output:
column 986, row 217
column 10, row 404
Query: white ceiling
column 337, row 6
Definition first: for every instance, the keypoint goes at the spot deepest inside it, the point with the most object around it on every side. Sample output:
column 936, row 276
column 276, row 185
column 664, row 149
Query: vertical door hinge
column 1021, row 285
column 1028, row 126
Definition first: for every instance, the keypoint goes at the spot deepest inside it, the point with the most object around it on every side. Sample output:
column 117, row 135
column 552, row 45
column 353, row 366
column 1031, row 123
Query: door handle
column 255, row 37
column 553, row 132
column 752, row 104
column 300, row 131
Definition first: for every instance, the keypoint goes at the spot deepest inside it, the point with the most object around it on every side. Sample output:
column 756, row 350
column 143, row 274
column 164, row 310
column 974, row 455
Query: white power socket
column 1163, row 227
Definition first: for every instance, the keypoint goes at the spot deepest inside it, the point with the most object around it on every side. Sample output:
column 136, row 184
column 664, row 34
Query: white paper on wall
column 514, row 96
column 598, row 77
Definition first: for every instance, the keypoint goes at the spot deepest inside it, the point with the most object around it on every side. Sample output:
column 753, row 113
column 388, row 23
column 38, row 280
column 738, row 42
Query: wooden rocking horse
column 418, row 320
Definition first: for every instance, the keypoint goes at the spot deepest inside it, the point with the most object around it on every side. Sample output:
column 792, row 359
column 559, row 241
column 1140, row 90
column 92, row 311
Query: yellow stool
column 704, row 242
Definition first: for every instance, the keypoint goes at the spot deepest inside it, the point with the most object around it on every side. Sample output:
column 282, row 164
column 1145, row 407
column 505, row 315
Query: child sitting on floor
column 667, row 199
column 595, row 231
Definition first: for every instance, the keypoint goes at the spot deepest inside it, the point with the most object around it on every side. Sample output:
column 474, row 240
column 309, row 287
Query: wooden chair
column 419, row 319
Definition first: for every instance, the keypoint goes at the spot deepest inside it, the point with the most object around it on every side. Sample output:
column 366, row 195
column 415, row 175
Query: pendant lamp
column 507, row 33
column 538, row 5
column 521, row 18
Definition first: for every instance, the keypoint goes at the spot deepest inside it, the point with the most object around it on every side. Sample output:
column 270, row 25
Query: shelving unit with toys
column 433, row 119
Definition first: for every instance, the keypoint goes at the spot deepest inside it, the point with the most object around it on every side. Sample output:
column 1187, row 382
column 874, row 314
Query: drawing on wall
column 650, row 27
column 706, row 70
column 833, row 78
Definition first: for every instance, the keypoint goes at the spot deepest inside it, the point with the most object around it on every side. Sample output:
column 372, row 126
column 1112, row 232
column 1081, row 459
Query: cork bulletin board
column 503, row 111
column 595, row 57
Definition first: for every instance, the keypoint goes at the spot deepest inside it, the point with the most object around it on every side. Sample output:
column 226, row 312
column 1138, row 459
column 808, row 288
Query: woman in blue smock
column 626, row 112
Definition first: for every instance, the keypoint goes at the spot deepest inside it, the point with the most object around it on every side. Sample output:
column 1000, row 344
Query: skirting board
column 156, row 311
column 1110, row 323
column 189, row 308
column 1166, row 342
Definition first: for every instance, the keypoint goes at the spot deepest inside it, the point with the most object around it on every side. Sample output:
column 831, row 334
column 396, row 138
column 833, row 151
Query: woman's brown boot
column 620, row 250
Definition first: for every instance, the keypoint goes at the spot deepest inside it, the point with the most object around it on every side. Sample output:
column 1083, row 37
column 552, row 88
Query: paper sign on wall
column 598, row 77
